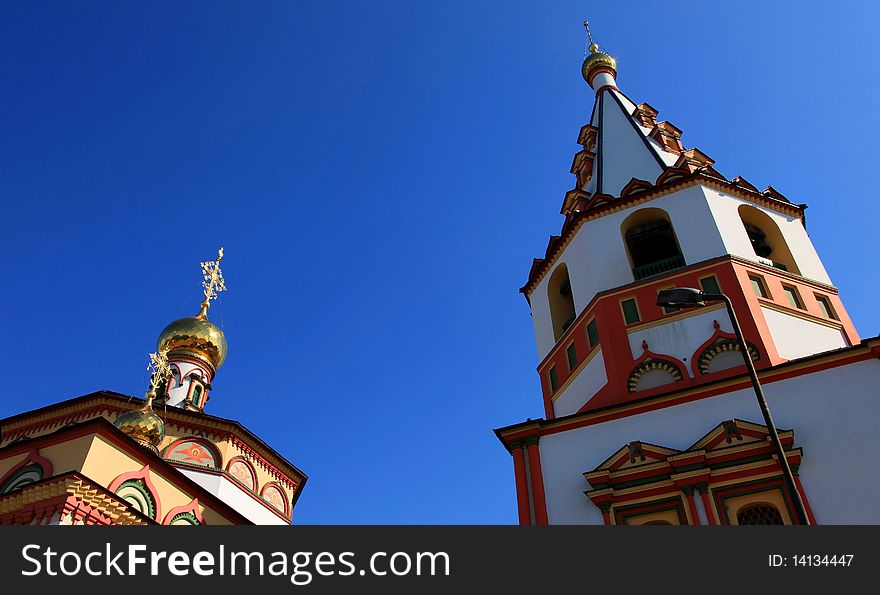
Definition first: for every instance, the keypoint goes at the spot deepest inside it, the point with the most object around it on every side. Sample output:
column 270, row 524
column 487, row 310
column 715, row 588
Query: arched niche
column 562, row 313
column 766, row 238
column 651, row 244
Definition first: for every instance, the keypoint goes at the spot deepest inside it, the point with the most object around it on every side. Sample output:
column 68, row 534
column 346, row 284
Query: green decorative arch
column 27, row 474
column 136, row 493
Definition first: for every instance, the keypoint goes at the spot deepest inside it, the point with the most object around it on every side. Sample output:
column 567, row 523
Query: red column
column 606, row 514
column 537, row 482
column 692, row 506
column 707, row 504
column 522, row 486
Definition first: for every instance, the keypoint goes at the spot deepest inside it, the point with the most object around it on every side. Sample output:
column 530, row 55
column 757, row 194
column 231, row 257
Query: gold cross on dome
column 212, row 282
column 160, row 370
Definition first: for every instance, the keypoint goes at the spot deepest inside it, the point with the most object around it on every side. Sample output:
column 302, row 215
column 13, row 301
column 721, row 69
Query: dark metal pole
column 787, row 474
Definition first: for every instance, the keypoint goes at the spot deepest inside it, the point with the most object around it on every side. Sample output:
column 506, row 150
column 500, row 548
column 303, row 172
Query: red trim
column 800, row 488
column 142, row 475
column 692, row 507
column 537, row 477
column 192, row 507
column 650, row 402
column 33, row 458
column 707, row 505
column 522, row 488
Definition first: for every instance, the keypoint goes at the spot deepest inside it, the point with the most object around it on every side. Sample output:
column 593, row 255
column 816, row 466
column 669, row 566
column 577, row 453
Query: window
column 825, row 306
column 630, row 311
column 669, row 309
column 759, row 514
column 561, row 302
column 593, row 333
column 794, row 298
column 758, row 286
column 766, row 239
column 651, row 243
column 554, row 379
column 710, row 285
column 572, row 357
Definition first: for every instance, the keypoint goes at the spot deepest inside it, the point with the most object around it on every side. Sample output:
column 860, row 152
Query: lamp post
column 685, row 297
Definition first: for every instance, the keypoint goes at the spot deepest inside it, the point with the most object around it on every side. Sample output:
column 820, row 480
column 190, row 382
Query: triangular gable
column 733, row 432
column 635, row 454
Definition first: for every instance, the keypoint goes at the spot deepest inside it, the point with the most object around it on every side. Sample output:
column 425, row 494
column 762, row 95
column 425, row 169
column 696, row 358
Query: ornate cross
column 212, row 282
column 160, row 370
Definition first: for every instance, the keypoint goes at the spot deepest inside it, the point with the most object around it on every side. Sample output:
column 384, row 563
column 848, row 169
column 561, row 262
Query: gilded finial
column 212, row 283
column 596, row 61
column 594, row 47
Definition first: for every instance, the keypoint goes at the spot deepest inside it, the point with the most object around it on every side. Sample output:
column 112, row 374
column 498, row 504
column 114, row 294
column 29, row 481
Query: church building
column 112, row 459
column 650, row 416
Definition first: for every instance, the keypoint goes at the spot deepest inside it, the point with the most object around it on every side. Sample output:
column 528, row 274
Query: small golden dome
column 142, row 425
column 596, row 60
column 197, row 337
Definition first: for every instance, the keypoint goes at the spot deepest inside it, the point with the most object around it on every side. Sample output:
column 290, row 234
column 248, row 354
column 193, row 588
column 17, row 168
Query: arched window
column 767, row 241
column 760, row 513
column 651, row 243
column 562, row 312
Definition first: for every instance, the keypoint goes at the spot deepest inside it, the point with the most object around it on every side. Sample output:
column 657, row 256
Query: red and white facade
column 634, row 394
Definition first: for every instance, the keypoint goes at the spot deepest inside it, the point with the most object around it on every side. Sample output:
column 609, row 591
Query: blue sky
column 381, row 175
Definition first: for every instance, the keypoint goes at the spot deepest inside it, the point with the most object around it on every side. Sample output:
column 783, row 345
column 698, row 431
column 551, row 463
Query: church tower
column 647, row 213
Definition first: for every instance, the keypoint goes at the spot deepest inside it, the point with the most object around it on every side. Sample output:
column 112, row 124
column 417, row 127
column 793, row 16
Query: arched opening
column 760, row 513
column 766, row 239
column 562, row 313
column 651, row 243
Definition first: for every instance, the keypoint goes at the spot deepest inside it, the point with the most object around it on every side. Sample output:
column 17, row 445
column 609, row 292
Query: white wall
column 680, row 338
column 234, row 496
column 588, row 381
column 833, row 414
column 597, row 260
column 795, row 337
column 736, row 240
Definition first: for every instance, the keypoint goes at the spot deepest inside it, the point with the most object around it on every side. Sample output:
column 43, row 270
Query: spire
column 625, row 149
column 212, row 283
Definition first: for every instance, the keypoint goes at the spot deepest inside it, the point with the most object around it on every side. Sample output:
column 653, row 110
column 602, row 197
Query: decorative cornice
column 76, row 486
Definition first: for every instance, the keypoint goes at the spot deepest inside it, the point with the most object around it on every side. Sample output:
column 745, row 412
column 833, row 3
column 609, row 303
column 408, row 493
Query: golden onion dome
column 143, row 426
column 197, row 337
column 596, row 60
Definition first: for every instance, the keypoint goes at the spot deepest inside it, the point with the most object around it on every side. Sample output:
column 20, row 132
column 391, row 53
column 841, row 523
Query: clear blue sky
column 381, row 176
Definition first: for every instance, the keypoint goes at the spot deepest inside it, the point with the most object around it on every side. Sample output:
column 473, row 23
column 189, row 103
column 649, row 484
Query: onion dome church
column 650, row 416
column 112, row 459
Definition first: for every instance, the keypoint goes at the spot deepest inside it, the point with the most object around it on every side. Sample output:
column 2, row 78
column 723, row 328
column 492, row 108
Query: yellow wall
column 105, row 463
